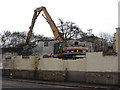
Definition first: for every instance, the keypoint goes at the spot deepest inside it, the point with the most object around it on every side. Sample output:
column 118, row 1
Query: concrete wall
column 75, row 70
column 96, row 62
column 44, row 50
column 51, row 64
column 95, row 68
column 102, row 69
column 19, row 63
column 28, row 63
column 34, row 67
column 75, row 65
column 8, row 54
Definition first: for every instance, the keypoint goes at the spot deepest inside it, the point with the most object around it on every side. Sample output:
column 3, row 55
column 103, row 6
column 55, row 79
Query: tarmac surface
column 34, row 84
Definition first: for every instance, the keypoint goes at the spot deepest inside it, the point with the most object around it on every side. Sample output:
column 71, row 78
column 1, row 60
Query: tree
column 106, row 36
column 9, row 39
column 70, row 30
column 15, row 42
column 106, row 40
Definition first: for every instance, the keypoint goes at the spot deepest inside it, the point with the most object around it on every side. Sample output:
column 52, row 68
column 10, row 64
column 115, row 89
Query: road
column 17, row 84
column 11, row 84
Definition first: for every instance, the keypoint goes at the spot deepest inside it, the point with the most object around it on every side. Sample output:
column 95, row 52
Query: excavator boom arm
column 54, row 28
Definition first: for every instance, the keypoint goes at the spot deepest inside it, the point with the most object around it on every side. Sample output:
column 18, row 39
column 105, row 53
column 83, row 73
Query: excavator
column 60, row 48
column 114, row 43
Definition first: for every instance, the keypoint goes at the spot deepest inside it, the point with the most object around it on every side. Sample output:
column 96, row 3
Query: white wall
column 51, row 64
column 99, row 63
column 94, row 62
column 75, row 65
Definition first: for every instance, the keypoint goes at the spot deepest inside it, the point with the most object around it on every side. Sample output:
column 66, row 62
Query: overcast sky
column 100, row 15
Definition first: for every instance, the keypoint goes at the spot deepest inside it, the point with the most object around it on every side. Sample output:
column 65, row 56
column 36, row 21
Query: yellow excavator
column 55, row 31
column 114, row 44
column 60, row 49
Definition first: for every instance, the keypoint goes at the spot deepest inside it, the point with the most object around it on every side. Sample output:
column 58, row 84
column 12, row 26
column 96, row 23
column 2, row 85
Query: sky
column 98, row 15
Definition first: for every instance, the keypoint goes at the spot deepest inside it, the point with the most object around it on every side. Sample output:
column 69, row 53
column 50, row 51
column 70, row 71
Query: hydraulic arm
column 54, row 28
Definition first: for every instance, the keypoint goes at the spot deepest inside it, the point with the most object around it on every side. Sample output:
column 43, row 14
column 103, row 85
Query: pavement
column 69, row 84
